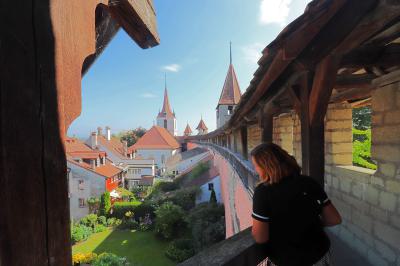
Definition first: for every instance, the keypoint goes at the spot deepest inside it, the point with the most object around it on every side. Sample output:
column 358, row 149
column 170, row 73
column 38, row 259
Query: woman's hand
column 260, row 231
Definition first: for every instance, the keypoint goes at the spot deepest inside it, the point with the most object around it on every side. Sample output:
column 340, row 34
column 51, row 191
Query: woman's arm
column 330, row 215
column 260, row 231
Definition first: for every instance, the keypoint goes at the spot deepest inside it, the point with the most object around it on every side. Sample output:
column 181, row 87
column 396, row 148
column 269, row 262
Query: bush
column 94, row 204
column 99, row 228
column 362, row 149
column 105, row 204
column 207, row 224
column 80, row 232
column 165, row 187
column 128, row 224
column 169, row 220
column 121, row 208
column 109, row 259
column 80, row 258
column 102, row 220
column 185, row 198
column 89, row 220
column 180, row 250
column 111, row 221
column 145, row 223
column 146, row 208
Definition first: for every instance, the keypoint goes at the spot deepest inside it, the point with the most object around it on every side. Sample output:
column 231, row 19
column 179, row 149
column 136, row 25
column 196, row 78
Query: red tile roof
column 202, row 125
column 231, row 93
column 156, row 138
column 113, row 145
column 166, row 111
column 77, row 149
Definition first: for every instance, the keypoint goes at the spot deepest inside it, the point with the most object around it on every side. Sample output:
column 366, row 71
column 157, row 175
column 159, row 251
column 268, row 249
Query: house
column 158, row 143
column 135, row 166
column 90, row 174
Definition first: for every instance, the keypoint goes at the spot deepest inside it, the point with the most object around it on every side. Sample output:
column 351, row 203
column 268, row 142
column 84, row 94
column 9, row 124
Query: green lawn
column 141, row 248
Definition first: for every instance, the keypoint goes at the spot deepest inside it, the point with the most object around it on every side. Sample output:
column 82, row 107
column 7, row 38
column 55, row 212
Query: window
column 165, row 123
column 82, row 203
column 81, row 185
column 230, row 110
column 210, row 186
column 162, row 159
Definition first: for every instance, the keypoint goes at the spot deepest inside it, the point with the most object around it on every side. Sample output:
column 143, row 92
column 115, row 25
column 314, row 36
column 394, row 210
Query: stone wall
column 253, row 137
column 283, row 132
column 339, row 135
column 369, row 201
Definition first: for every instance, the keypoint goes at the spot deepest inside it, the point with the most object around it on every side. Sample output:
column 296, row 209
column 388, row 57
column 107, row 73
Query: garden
column 164, row 228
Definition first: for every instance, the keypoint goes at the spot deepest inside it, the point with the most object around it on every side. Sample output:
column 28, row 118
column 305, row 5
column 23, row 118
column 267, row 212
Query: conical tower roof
column 188, row 130
column 166, row 111
column 202, row 125
column 231, row 93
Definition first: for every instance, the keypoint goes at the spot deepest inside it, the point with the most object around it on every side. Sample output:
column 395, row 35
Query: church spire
column 166, row 110
column 230, row 53
column 231, row 93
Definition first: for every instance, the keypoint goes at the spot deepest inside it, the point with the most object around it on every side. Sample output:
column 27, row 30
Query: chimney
column 125, row 146
column 99, row 131
column 108, row 133
column 93, row 164
column 93, row 140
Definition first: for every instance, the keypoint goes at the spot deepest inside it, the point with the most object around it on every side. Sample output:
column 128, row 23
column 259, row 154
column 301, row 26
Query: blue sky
column 124, row 88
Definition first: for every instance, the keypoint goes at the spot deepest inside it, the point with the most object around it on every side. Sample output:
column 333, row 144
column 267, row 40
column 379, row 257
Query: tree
column 362, row 118
column 131, row 136
column 169, row 220
column 105, row 204
column 213, row 197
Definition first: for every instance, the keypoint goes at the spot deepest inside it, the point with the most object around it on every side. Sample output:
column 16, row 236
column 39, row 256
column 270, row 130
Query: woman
column 290, row 211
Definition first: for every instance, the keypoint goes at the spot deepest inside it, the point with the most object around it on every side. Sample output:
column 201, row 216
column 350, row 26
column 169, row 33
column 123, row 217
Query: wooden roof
column 362, row 35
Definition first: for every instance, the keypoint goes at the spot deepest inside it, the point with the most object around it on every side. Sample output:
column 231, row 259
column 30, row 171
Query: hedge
column 120, row 208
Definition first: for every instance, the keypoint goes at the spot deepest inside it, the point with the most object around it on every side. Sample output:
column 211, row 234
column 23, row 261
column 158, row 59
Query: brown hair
column 275, row 161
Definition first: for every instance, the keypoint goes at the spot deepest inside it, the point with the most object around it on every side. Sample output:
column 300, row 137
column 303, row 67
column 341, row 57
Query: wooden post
column 267, row 126
column 243, row 136
column 314, row 96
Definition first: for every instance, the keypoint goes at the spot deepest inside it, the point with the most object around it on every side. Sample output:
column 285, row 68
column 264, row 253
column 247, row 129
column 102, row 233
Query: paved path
column 343, row 255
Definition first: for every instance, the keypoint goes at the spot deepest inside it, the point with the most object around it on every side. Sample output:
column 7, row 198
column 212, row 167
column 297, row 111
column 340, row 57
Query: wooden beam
column 336, row 31
column 373, row 56
column 354, row 81
column 324, row 80
column 351, row 94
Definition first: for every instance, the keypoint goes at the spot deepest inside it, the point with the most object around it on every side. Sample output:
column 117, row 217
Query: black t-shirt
column 292, row 208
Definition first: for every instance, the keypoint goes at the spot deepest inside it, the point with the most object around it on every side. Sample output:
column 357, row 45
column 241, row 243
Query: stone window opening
column 361, row 131
column 230, row 110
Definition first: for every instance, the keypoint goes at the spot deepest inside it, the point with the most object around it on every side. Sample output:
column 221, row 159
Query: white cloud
column 172, row 68
column 252, row 52
column 274, row 11
column 148, row 95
